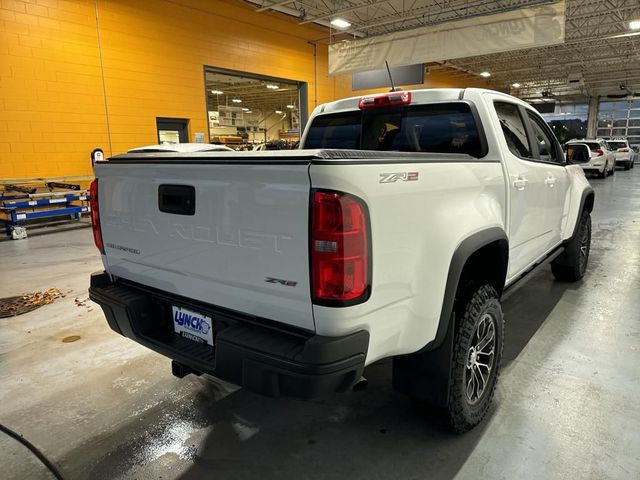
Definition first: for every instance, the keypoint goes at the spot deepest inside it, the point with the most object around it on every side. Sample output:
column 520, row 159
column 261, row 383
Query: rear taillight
column 385, row 100
column 599, row 152
column 95, row 215
column 340, row 249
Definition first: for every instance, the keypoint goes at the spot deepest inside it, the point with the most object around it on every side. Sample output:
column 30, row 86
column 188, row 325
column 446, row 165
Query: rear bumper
column 262, row 356
column 593, row 168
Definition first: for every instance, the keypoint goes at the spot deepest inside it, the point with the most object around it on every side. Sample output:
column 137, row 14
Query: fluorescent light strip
column 340, row 23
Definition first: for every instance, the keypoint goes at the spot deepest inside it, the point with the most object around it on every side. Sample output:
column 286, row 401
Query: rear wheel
column 627, row 165
column 477, row 355
column 603, row 173
column 572, row 264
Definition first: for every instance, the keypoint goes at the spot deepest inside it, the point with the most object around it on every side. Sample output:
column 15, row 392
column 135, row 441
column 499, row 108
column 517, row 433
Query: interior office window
column 544, row 140
column 513, row 129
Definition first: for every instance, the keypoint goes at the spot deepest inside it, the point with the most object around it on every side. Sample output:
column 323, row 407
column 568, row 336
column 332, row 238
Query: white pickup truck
column 394, row 232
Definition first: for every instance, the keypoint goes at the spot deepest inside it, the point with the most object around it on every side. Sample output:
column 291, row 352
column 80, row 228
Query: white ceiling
column 598, row 49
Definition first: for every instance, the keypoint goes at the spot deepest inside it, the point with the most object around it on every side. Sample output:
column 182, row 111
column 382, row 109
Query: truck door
column 529, row 232
column 556, row 178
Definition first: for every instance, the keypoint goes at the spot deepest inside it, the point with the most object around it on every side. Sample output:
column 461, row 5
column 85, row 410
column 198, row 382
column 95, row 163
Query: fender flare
column 587, row 193
column 463, row 252
column 586, row 203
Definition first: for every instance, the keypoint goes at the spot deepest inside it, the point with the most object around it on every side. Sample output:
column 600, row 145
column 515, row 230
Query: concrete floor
column 567, row 404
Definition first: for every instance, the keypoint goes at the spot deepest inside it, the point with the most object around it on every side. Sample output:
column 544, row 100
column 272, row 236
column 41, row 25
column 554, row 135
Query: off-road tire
column 483, row 302
column 627, row 165
column 572, row 264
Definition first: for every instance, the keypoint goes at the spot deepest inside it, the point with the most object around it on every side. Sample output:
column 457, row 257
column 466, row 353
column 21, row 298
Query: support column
column 592, row 118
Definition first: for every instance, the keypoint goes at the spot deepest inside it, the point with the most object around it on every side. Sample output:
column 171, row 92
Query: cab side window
column 513, row 129
column 543, row 138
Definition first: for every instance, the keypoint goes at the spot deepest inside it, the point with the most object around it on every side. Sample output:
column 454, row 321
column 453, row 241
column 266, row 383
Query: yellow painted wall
column 52, row 107
column 52, row 94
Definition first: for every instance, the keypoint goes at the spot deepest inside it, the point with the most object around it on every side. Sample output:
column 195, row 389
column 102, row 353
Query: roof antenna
column 393, row 88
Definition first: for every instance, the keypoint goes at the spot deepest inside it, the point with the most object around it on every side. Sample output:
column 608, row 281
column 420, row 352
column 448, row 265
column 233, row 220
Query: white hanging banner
column 500, row 32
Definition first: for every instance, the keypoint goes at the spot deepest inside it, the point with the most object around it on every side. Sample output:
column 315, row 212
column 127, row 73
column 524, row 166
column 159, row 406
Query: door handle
column 551, row 181
column 520, row 182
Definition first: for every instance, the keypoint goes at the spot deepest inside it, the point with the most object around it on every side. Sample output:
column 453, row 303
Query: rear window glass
column 437, row 128
column 340, row 130
column 592, row 145
column 617, row 145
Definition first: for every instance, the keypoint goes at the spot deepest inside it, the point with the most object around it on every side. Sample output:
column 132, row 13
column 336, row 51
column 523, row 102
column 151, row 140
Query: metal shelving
column 20, row 204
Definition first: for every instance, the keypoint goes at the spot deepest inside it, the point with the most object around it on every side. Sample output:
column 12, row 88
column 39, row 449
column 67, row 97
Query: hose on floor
column 52, row 468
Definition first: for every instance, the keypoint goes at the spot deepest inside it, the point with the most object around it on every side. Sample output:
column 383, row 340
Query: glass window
column 513, row 129
column 593, row 145
column 439, row 128
column 620, row 105
column 620, row 123
column 604, row 123
column 247, row 111
column 616, row 145
column 634, row 123
column 602, row 132
column 340, row 130
column 633, row 131
column 544, row 140
column 448, row 128
column 634, row 113
column 619, row 132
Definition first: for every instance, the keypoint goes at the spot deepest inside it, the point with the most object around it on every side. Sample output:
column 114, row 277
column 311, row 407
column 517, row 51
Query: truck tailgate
column 243, row 247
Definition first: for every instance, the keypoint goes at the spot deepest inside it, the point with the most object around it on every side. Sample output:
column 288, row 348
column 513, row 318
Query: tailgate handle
column 177, row 199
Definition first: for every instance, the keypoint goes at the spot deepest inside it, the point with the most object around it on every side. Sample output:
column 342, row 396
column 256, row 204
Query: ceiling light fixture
column 485, row 74
column 248, row 111
column 340, row 23
column 271, row 86
column 515, row 85
column 634, row 24
column 291, row 106
column 245, row 109
column 236, row 100
column 279, row 112
column 217, row 92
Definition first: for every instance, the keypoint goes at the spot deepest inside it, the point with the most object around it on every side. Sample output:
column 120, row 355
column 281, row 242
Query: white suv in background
column 601, row 159
column 624, row 155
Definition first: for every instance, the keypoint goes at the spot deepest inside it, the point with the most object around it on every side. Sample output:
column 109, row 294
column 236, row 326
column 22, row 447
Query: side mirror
column 577, row 154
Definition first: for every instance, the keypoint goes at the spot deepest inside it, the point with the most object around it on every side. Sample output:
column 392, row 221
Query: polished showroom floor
column 567, row 405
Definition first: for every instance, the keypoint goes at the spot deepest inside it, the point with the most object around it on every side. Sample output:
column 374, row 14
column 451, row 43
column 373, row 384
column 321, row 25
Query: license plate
column 193, row 325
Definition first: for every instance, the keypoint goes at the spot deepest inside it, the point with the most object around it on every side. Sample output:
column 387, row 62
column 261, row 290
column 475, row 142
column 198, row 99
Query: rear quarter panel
column 415, row 227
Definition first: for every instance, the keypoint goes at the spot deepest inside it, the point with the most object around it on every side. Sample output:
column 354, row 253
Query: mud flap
column 425, row 376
